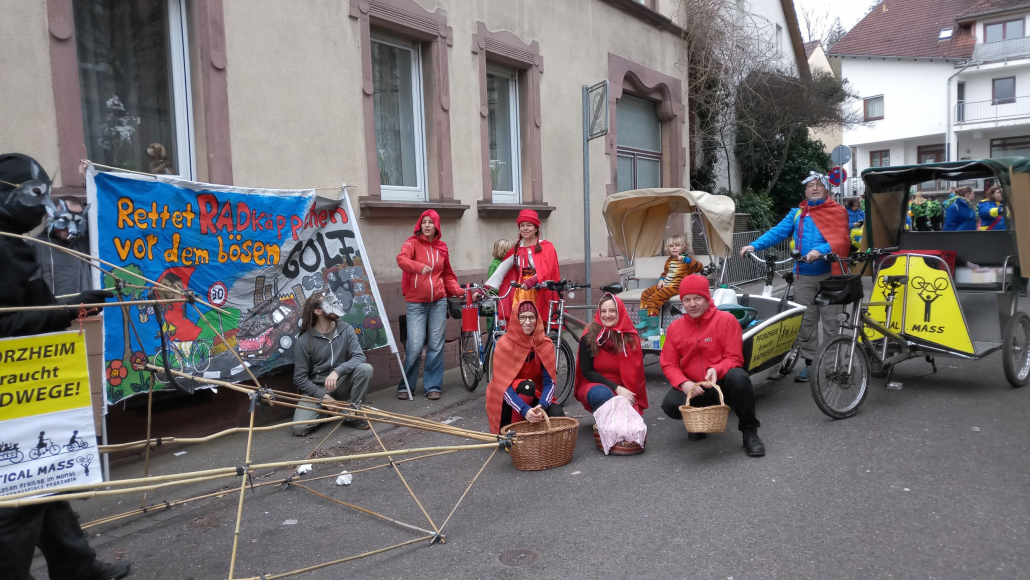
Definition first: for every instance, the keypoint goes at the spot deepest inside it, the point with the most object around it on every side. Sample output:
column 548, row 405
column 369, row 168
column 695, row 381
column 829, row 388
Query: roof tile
column 810, row 47
column 911, row 28
column 990, row 6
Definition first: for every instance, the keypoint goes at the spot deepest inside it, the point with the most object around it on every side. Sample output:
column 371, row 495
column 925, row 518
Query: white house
column 940, row 80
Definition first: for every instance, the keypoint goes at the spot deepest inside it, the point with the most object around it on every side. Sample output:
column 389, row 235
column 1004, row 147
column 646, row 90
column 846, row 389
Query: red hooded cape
column 175, row 314
column 832, row 220
column 622, row 368
column 546, row 263
column 509, row 356
column 418, row 252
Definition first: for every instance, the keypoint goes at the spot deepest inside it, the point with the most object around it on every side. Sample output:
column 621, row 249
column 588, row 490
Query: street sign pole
column 595, row 124
column 586, row 191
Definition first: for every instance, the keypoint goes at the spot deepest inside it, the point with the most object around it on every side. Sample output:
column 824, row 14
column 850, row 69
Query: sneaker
column 356, row 424
column 696, row 436
column 802, row 376
column 753, row 446
column 107, row 571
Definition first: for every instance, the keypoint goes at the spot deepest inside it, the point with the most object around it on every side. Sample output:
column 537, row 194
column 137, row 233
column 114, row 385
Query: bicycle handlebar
column 768, row 259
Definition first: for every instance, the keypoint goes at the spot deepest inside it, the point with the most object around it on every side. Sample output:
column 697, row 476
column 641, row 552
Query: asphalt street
column 929, row 482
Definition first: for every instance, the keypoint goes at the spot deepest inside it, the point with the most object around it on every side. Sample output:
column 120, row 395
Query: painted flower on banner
column 357, row 329
column 373, row 323
column 359, row 287
column 116, row 372
column 369, row 308
column 138, row 361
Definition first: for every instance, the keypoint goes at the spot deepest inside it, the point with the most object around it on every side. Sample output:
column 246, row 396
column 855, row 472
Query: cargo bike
column 637, row 221
column 935, row 294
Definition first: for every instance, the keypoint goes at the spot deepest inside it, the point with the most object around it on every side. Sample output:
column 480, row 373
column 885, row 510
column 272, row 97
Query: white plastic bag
column 617, row 421
column 344, row 478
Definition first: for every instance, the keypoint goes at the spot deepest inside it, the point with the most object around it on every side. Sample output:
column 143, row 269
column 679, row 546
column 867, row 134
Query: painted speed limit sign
column 217, row 294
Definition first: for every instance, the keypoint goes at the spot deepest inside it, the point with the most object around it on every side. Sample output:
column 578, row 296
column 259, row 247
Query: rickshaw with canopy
column 637, row 221
column 935, row 294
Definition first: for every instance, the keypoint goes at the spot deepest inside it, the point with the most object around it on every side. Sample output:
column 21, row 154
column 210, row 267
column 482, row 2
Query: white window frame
column 182, row 89
column 516, row 141
column 419, row 192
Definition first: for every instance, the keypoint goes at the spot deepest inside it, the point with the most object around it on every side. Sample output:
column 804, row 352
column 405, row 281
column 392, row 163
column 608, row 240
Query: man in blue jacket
column 819, row 226
column 960, row 215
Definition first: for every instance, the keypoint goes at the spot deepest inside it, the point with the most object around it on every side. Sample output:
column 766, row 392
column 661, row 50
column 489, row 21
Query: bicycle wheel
column 175, row 363
column 1015, row 357
column 789, row 361
column 565, row 381
column 200, row 356
column 18, row 458
column 54, row 449
column 35, row 454
column 841, row 379
column 471, row 366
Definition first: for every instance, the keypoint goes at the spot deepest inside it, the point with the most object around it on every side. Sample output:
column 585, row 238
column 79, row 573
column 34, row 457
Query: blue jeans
column 421, row 315
column 598, row 395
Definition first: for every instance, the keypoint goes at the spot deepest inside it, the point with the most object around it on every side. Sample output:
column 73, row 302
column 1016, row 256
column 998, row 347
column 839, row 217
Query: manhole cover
column 519, row 557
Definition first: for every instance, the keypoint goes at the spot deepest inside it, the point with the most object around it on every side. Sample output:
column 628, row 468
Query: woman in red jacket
column 610, row 361
column 530, row 262
column 705, row 345
column 427, row 281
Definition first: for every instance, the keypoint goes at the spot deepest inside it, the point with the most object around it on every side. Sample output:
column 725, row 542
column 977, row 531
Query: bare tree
column 743, row 94
column 813, row 24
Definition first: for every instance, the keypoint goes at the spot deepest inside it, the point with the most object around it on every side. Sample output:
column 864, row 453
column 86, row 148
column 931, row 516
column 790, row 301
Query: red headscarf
column 509, row 356
column 832, row 220
column 625, row 367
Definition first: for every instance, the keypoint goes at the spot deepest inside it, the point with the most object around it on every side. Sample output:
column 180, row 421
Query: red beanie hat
column 528, row 215
column 695, row 284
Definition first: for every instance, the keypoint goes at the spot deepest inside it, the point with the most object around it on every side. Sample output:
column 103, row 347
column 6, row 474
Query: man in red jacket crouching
column 705, row 345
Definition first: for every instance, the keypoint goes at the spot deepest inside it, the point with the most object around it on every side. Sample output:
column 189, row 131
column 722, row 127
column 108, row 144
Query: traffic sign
column 841, row 155
column 837, row 175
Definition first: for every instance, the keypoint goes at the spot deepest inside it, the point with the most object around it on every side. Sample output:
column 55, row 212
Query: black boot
column 753, row 446
column 109, row 571
column 696, row 436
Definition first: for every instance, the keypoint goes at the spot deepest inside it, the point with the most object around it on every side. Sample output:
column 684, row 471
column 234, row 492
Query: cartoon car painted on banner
column 270, row 327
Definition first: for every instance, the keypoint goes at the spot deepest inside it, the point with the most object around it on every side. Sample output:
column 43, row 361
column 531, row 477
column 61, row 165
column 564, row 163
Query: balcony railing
column 1002, row 50
column 992, row 110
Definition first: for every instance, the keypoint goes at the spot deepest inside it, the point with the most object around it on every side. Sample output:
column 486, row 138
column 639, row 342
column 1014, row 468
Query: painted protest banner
column 255, row 253
column 47, row 439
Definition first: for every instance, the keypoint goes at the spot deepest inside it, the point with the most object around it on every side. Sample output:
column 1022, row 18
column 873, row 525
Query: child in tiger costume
column 679, row 265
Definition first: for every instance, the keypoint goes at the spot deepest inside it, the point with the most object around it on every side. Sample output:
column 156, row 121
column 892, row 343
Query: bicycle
column 770, row 261
column 50, row 448
column 79, row 444
column 12, row 454
column 192, row 357
column 844, row 367
column 559, row 320
column 475, row 354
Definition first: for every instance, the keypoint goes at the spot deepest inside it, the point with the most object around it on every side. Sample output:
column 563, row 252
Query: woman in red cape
column 530, row 262
column 524, row 371
column 610, row 361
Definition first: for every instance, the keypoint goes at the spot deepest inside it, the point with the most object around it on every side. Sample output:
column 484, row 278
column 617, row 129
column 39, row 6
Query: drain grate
column 519, row 557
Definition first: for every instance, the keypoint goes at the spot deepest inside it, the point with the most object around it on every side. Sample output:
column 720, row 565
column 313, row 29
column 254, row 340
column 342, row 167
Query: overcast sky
column 849, row 11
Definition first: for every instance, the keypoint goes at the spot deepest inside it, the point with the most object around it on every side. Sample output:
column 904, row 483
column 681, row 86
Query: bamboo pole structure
column 363, row 510
column 243, row 491
column 405, row 482
column 340, row 561
column 91, row 306
column 179, row 502
column 12, row 500
column 194, row 440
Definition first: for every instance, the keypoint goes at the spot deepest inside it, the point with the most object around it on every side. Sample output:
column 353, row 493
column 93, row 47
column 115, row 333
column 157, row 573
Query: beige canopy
column 636, row 219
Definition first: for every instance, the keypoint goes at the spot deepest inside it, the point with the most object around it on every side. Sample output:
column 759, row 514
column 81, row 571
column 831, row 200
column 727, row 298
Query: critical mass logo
column 928, row 292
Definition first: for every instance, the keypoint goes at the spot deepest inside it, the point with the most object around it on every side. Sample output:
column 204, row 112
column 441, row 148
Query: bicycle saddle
column 895, row 280
column 612, row 288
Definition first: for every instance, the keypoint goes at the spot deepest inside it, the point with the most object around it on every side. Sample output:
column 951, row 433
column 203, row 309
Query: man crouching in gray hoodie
column 328, row 362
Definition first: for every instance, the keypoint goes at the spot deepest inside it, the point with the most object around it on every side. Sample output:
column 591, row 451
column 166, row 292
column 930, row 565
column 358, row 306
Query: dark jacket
column 64, row 273
column 22, row 285
column 316, row 355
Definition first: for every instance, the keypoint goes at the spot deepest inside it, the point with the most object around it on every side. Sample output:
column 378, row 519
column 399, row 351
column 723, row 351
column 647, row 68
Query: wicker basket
column 706, row 419
column 620, row 448
column 543, row 445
